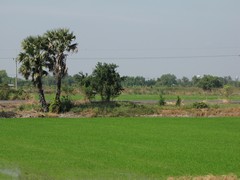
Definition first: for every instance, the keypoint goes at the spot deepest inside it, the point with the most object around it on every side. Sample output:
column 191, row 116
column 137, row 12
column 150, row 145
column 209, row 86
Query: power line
column 145, row 57
column 140, row 49
column 154, row 57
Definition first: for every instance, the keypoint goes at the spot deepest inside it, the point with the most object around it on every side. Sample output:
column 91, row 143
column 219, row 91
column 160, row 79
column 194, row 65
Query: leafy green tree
column 3, row 76
column 208, row 82
column 227, row 80
column 195, row 80
column 104, row 80
column 107, row 81
column 150, row 82
column 34, row 62
column 140, row 80
column 87, row 84
column 168, row 80
column 58, row 43
column 185, row 82
column 134, row 81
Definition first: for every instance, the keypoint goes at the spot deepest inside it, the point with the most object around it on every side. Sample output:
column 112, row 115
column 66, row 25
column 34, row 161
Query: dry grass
column 31, row 109
column 221, row 112
column 208, row 177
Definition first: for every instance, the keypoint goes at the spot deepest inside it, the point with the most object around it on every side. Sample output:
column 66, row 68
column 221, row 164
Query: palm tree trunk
column 58, row 90
column 108, row 98
column 42, row 97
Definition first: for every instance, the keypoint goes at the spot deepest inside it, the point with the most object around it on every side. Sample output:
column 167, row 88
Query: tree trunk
column 58, row 90
column 42, row 97
column 108, row 98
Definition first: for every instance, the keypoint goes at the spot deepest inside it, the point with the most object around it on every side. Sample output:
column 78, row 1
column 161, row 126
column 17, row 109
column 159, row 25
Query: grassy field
column 123, row 148
column 152, row 93
column 147, row 97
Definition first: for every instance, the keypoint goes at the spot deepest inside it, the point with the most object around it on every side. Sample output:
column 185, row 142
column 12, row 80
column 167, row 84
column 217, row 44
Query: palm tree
column 58, row 45
column 34, row 61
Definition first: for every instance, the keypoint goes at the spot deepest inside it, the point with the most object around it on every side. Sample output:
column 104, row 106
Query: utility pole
column 16, row 78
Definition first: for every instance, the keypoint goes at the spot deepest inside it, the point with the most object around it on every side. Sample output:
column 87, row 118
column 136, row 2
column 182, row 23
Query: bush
column 55, row 107
column 162, row 101
column 66, row 104
column 21, row 108
column 20, row 94
column 5, row 92
column 113, row 109
column 63, row 106
column 200, row 105
column 227, row 91
column 179, row 101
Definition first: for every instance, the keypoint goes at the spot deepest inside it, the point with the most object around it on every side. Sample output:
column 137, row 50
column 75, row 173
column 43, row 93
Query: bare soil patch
column 208, row 177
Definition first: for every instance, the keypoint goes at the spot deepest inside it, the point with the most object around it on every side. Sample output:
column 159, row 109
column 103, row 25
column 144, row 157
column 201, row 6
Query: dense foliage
column 208, row 82
column 168, row 80
column 107, row 81
column 104, row 80
column 8, row 93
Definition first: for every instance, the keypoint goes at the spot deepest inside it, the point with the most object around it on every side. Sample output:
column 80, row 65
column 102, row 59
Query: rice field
column 118, row 148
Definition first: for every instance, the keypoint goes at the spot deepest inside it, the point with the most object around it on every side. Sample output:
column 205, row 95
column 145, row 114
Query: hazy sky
column 143, row 37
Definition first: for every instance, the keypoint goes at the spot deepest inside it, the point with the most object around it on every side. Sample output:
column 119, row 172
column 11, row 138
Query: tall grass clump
column 162, row 101
column 179, row 101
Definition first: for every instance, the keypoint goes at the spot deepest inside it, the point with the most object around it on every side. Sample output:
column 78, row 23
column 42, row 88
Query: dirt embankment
column 12, row 109
column 211, row 112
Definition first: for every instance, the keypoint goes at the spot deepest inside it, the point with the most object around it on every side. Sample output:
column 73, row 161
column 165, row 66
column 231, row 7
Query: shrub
column 21, row 108
column 5, row 92
column 227, row 91
column 63, row 106
column 66, row 104
column 162, row 101
column 179, row 101
column 19, row 94
column 200, row 105
column 55, row 107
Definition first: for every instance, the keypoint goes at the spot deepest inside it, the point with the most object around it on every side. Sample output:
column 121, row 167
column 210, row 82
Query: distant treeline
column 167, row 80
column 170, row 80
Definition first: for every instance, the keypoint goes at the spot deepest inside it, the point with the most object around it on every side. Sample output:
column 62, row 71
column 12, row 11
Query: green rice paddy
column 118, row 148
